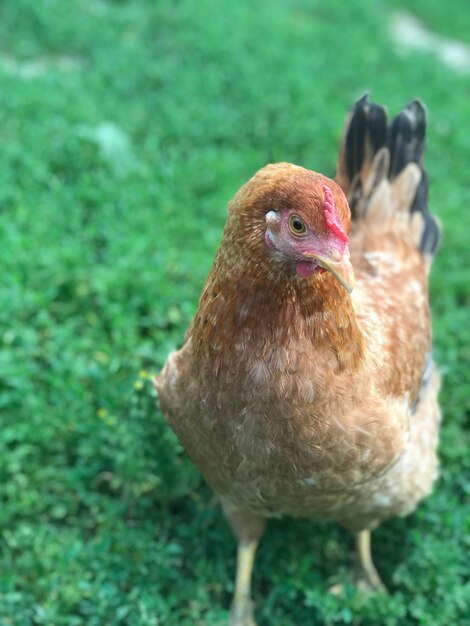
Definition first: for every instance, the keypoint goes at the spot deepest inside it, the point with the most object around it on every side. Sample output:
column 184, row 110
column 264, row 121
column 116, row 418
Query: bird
column 306, row 385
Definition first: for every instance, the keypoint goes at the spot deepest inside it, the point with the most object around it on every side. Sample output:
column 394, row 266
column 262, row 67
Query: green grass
column 125, row 127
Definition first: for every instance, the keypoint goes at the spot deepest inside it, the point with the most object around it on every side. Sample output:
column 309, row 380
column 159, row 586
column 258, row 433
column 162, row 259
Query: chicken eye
column 297, row 227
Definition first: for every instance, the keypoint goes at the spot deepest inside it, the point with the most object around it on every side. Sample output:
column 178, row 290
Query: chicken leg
column 248, row 529
column 241, row 612
column 367, row 577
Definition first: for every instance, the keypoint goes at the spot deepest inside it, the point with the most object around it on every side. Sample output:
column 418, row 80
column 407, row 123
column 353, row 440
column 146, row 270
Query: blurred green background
column 126, row 126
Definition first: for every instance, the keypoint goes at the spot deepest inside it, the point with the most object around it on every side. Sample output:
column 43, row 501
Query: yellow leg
column 241, row 613
column 368, row 578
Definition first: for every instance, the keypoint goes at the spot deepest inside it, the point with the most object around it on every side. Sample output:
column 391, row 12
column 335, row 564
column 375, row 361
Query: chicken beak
column 338, row 264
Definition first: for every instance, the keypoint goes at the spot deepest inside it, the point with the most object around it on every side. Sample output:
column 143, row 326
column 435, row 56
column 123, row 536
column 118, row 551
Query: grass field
column 126, row 126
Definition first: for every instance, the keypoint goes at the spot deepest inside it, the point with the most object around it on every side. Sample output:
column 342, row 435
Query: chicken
column 306, row 385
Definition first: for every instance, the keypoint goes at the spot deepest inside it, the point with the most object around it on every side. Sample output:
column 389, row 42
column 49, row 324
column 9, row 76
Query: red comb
column 331, row 217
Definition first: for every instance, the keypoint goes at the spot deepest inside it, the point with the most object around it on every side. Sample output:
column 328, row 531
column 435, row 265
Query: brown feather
column 291, row 396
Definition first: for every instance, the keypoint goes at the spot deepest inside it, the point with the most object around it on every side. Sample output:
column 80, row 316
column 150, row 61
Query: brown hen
column 295, row 394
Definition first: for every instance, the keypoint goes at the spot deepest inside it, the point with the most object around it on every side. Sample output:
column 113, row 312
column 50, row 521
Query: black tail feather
column 367, row 127
column 404, row 139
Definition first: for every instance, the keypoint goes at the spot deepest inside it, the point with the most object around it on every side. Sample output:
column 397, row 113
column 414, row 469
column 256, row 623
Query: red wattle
column 305, row 268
